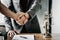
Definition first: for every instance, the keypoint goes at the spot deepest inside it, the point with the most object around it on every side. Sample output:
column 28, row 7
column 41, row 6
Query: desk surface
column 41, row 37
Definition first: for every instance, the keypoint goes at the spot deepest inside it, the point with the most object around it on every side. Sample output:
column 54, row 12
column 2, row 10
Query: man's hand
column 11, row 33
column 22, row 18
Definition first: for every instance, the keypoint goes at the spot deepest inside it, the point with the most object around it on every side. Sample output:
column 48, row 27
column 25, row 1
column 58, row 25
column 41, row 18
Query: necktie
column 23, row 5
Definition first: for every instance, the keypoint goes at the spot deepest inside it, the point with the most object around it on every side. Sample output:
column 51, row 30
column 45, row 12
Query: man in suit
column 24, row 7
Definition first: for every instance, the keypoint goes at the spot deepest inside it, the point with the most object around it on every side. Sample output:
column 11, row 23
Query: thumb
column 25, row 21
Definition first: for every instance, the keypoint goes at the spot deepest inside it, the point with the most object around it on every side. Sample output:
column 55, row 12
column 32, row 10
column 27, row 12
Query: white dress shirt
column 17, row 8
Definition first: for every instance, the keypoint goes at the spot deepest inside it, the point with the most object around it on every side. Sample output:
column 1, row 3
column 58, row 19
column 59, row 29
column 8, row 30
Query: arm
column 35, row 7
column 4, row 10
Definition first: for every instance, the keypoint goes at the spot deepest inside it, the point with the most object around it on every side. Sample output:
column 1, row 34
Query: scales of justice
column 46, row 27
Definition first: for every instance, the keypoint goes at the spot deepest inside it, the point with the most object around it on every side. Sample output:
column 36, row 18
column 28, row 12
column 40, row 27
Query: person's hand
column 11, row 33
column 22, row 18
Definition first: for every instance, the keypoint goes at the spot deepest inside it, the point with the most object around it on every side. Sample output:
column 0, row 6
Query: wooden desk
column 41, row 37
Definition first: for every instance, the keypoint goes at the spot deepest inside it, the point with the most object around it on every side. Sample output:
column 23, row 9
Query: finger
column 26, row 15
column 22, row 20
column 25, row 21
column 14, row 33
column 20, row 14
column 21, row 23
column 10, row 35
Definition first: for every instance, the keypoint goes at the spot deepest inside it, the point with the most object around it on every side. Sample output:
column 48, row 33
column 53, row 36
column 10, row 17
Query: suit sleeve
column 34, row 8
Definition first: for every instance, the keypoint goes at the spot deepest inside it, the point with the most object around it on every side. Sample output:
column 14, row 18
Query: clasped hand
column 22, row 18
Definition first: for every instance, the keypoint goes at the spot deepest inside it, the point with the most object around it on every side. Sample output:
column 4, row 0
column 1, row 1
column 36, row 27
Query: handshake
column 21, row 18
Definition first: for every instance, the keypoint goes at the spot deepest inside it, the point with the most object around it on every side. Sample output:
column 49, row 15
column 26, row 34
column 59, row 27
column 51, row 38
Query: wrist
column 15, row 17
column 27, row 15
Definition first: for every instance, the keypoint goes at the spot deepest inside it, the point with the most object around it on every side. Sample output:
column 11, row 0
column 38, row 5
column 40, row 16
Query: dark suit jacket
column 32, row 26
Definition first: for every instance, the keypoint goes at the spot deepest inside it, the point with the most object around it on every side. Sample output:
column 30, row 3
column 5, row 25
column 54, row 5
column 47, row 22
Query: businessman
column 25, row 24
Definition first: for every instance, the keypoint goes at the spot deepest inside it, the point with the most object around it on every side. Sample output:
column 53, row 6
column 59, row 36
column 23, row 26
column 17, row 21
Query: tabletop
column 42, row 37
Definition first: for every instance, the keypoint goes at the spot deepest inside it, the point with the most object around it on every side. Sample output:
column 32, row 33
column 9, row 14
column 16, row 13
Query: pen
column 23, row 37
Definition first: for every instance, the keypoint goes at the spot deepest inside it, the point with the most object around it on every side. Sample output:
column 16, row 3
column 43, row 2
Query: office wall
column 56, row 16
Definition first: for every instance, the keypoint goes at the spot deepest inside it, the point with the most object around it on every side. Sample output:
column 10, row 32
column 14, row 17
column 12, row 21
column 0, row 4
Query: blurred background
column 55, row 16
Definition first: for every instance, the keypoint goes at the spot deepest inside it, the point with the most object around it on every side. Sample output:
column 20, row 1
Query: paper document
column 23, row 37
